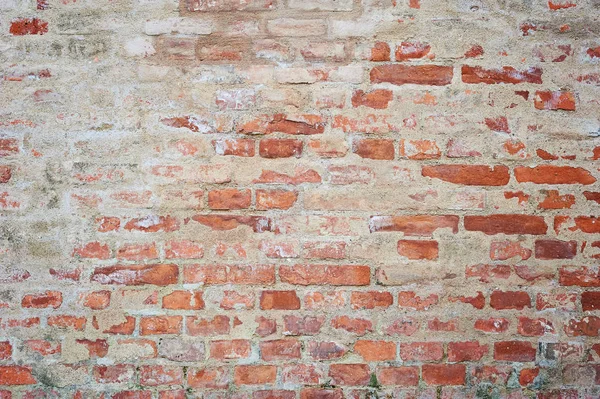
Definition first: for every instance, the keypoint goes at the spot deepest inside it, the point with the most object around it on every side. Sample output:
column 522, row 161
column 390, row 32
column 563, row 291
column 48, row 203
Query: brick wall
column 278, row 199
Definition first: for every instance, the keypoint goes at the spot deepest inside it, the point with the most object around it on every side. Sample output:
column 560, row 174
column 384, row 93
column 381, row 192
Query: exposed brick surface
column 319, row 199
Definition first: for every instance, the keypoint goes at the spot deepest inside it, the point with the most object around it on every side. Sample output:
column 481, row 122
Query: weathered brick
column 444, row 374
column 317, row 199
column 417, row 225
column 397, row 74
column 550, row 174
column 470, row 175
column 506, row 224
column 254, row 375
column 555, row 249
column 507, row 74
column 514, row 351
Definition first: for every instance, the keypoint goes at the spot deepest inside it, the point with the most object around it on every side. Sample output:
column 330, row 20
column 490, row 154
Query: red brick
column 235, row 147
column 554, row 100
column 588, row 326
column 325, row 274
column 321, row 393
column 183, row 249
column 298, row 125
column 285, row 300
column 8, row 146
column 301, row 175
column 410, row 50
column 183, row 300
column 258, row 224
column 16, row 375
column 408, row 299
column 527, row 376
column 582, row 276
column 153, row 325
column 132, row 395
column 106, row 224
column 161, row 375
column 380, row 149
column 136, row 274
column 506, row 224
column 468, row 351
column 198, row 326
column 325, row 350
column 561, row 301
column 209, row 378
column 418, row 250
column 119, row 373
column 514, row 351
column 306, row 325
column 48, row 299
column 404, row 326
column 153, row 224
column 554, row 200
column 5, row 173
column 229, row 198
column 444, row 374
column 500, row 300
column 477, row 301
column 371, row 299
column 419, row 150
column 438, row 325
column 470, row 175
column 592, row 196
column 560, row 5
column 397, row 74
column 586, row 224
column 324, row 250
column 5, row 350
column 234, row 300
column 233, row 274
column 590, row 300
column 380, row 52
column 92, row 250
column 474, row 52
column 353, row 325
column 377, row 99
column 550, row 174
column 421, row 351
column 500, row 124
column 375, row 351
column 349, row 374
column 488, row 273
column 405, row 376
column 492, row 325
column 281, row 349
column 534, row 327
column 172, row 394
column 275, row 199
column 126, row 328
column 274, row 394
column 414, row 225
column 254, row 375
column 97, row 300
column 96, row 348
column 280, row 148
column 555, row 249
column 138, row 252
column 28, row 26
column 476, row 74
column 503, row 250
column 265, row 326
column 229, row 350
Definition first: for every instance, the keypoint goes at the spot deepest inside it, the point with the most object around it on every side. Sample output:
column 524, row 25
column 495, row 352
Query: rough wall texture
column 299, row 199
